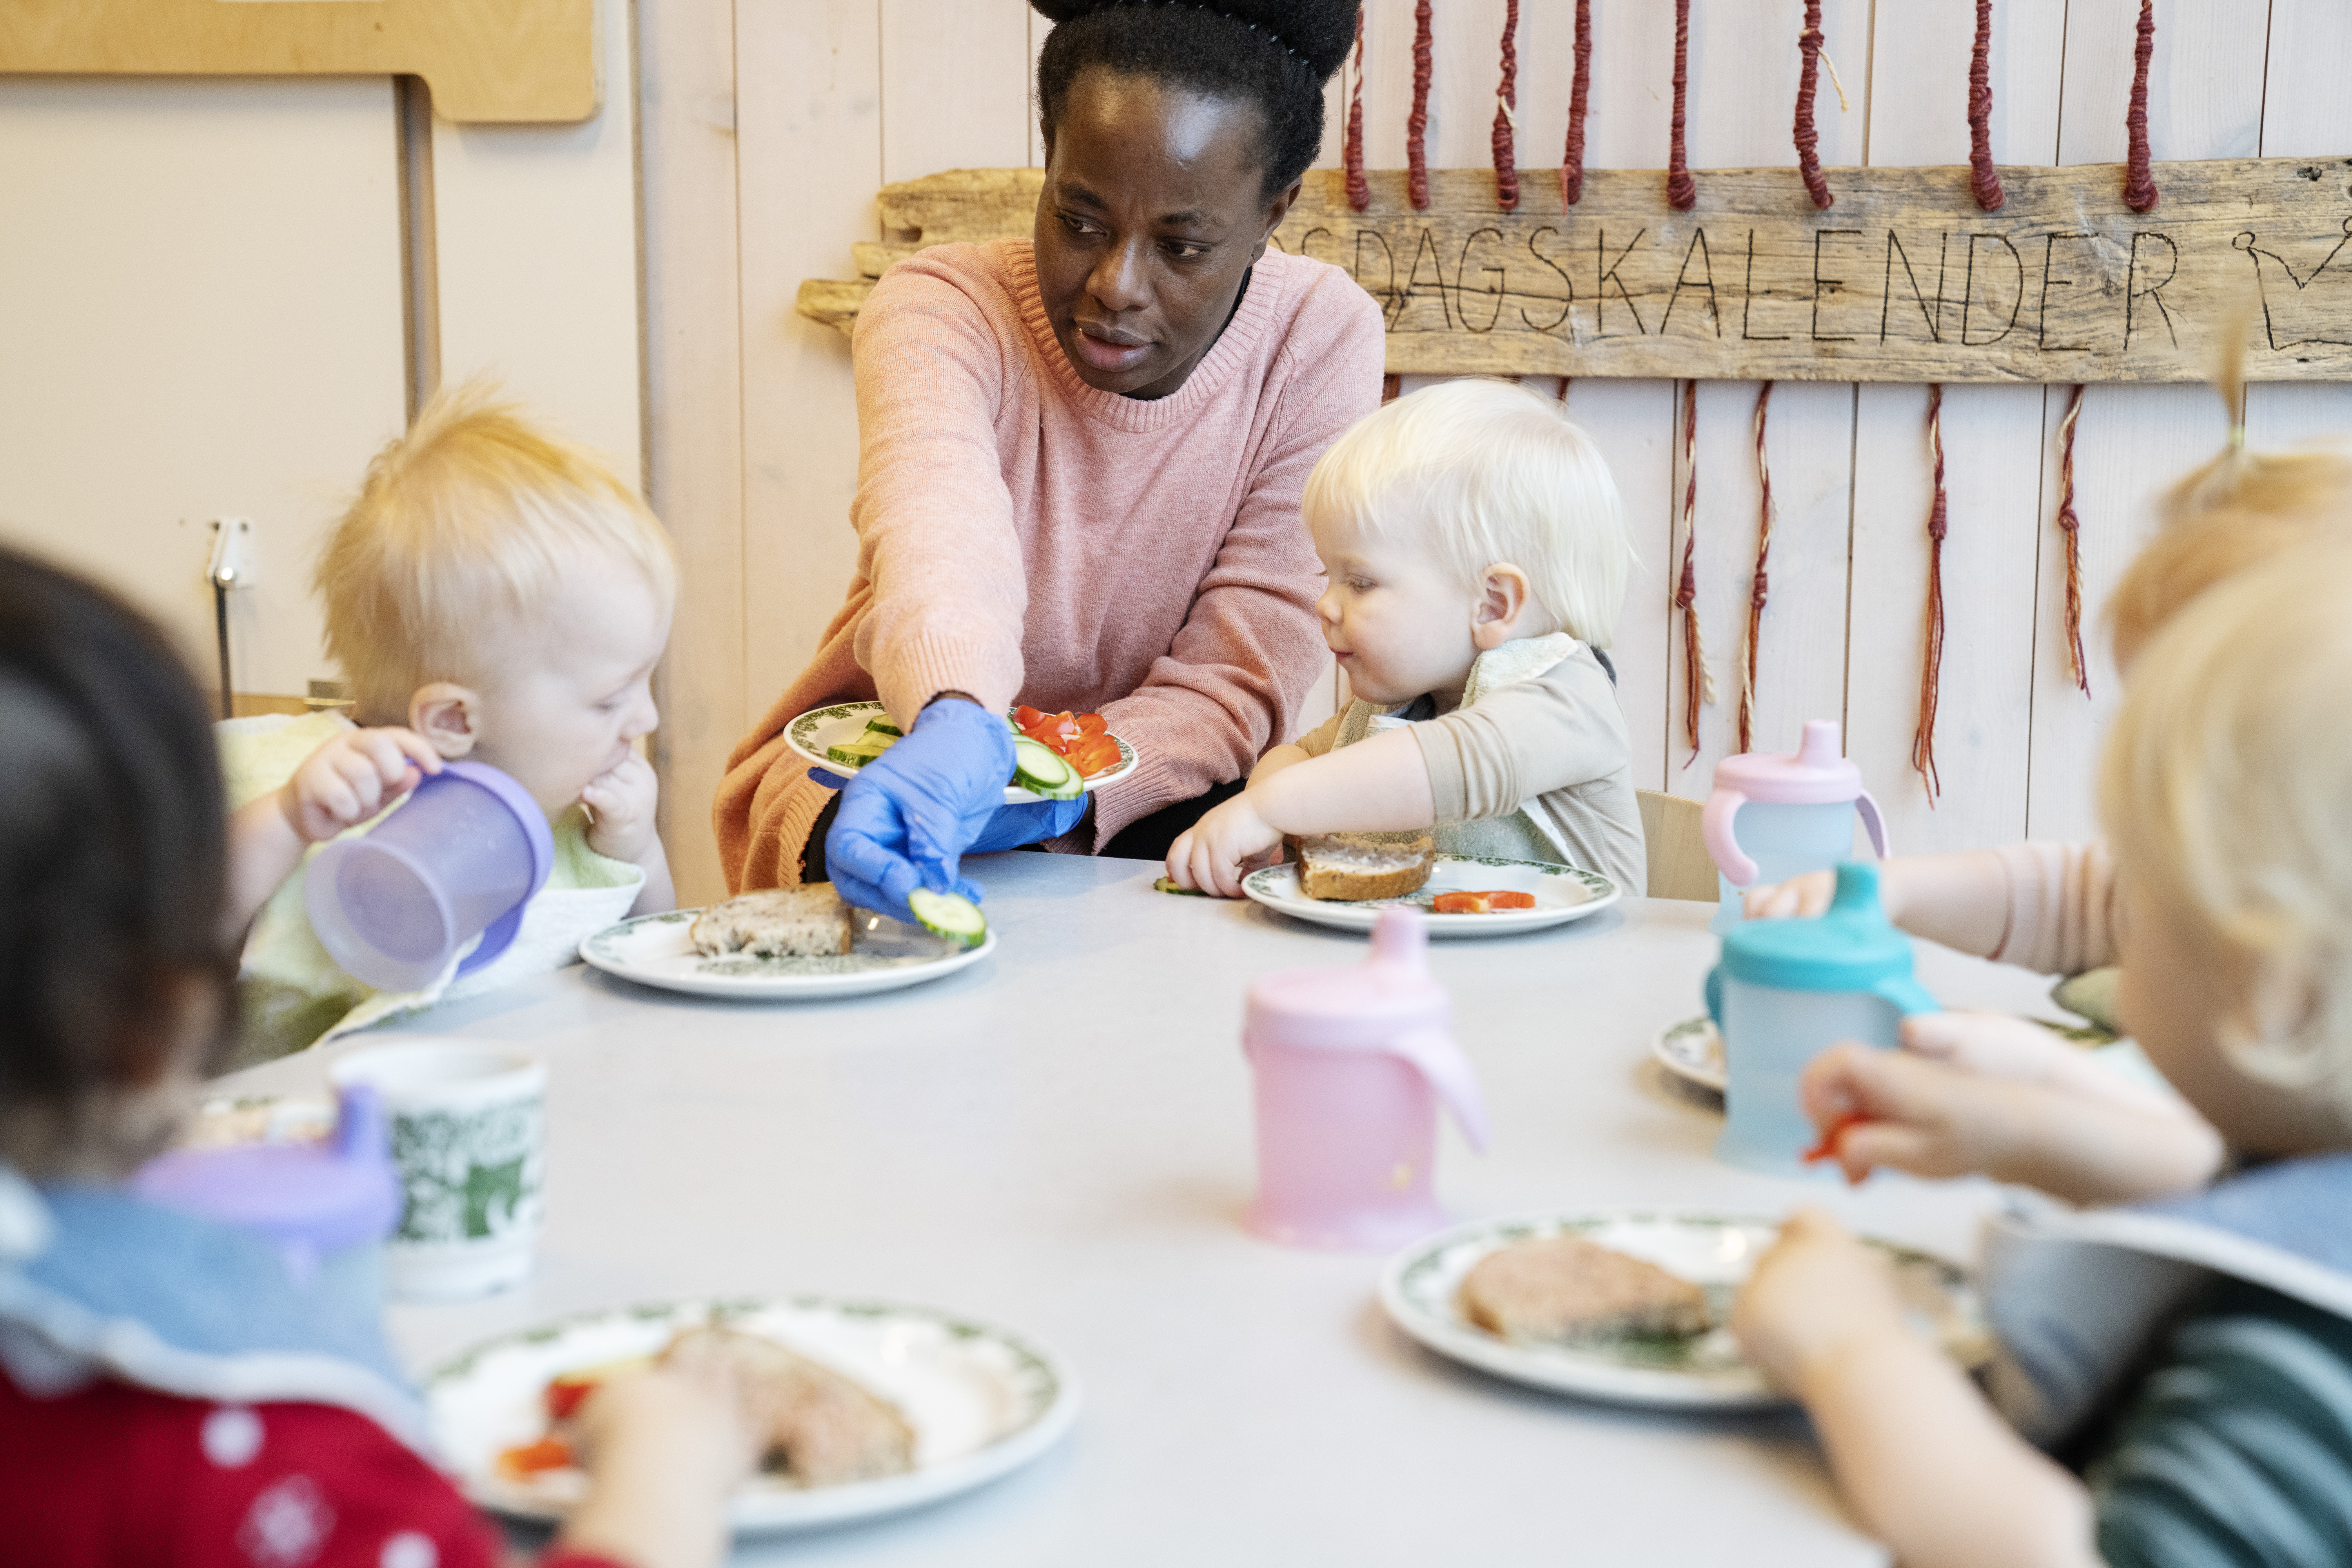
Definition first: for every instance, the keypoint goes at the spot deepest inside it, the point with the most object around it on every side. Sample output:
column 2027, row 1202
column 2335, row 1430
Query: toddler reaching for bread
column 1476, row 554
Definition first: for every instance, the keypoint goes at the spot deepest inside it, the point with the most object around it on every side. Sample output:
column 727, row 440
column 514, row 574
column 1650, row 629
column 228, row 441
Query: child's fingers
column 412, row 746
column 1178, row 864
column 1866, row 1145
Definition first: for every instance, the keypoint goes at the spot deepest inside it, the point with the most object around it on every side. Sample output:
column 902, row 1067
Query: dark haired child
column 167, row 1395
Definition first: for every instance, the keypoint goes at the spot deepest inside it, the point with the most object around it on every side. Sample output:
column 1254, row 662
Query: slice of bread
column 806, row 921
column 1353, row 866
column 820, row 1428
column 1566, row 1288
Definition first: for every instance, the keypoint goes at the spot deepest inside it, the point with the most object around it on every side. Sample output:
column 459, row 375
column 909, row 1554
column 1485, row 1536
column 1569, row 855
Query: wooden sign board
column 484, row 60
column 1903, row 279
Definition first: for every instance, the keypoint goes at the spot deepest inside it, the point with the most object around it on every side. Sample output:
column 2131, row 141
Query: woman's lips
column 1104, row 354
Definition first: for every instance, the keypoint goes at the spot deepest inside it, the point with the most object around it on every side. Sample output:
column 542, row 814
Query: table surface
column 1059, row 1139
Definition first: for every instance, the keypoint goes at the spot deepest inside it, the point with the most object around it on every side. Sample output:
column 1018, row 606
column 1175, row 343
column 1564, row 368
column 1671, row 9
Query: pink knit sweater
column 1025, row 537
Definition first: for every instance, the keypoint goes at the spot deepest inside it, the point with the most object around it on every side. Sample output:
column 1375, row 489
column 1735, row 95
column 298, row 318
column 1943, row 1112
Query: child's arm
column 342, row 785
column 1960, row 901
column 1376, row 784
column 1274, row 761
column 1920, row 1457
column 621, row 804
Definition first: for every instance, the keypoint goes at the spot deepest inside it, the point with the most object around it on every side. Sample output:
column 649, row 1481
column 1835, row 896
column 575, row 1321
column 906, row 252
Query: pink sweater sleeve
column 2062, row 915
column 935, row 524
column 1233, row 683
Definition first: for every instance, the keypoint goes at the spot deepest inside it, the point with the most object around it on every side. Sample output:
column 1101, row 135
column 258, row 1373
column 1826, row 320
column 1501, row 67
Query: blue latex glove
column 906, row 818
column 1013, row 826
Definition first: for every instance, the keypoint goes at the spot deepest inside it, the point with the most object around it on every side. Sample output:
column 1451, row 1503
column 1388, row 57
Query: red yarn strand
column 1507, row 103
column 1359, row 190
column 1984, row 181
column 1682, row 190
column 1572, row 168
column 1389, row 386
column 1931, row 666
column 1808, row 157
column 1698, row 684
column 2140, row 193
column 2072, row 526
column 1416, row 125
column 1756, row 584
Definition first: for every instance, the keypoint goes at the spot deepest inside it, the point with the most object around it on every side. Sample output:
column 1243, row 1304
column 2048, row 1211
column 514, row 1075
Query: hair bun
column 1320, row 32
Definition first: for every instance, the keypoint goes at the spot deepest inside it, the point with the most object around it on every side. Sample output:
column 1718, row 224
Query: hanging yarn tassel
column 1755, row 588
column 1507, row 103
column 1360, row 190
column 1416, row 125
column 1931, row 666
column 1389, row 386
column 1682, row 190
column 1808, row 158
column 1984, row 181
column 1572, row 169
column 1698, row 681
column 2072, row 526
column 2139, row 186
column 1564, row 391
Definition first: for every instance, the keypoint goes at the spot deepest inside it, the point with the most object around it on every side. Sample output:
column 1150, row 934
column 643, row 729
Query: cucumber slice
column 951, row 915
column 857, row 754
column 884, row 727
column 1042, row 771
column 1168, row 885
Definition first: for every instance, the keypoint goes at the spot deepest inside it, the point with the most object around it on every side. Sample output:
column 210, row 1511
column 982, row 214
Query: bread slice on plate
column 820, row 1428
column 806, row 921
column 1355, row 865
column 1566, row 1288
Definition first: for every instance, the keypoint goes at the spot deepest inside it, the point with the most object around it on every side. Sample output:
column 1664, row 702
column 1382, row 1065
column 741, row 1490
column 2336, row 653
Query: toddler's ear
column 448, row 716
column 1500, row 613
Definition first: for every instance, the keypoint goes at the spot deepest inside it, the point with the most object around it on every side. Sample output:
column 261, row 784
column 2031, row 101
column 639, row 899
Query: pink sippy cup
column 1350, row 1064
column 1774, row 816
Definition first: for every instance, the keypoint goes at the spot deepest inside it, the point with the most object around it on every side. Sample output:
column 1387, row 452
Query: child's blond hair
column 462, row 525
column 2224, row 787
column 1489, row 472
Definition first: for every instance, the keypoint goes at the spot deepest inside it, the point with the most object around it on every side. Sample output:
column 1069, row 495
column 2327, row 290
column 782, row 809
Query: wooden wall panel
column 955, row 87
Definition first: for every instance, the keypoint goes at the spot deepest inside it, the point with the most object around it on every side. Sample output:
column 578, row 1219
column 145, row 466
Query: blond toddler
column 493, row 594
column 1477, row 554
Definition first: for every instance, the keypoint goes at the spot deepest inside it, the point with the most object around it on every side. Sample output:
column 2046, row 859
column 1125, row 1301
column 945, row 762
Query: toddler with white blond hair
column 1477, row 554
column 493, row 594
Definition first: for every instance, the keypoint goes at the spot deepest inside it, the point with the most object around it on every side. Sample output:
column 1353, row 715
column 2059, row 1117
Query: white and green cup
column 469, row 1136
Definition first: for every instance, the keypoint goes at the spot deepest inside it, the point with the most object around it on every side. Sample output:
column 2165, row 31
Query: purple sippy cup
column 325, row 1207
column 1350, row 1064
column 464, row 853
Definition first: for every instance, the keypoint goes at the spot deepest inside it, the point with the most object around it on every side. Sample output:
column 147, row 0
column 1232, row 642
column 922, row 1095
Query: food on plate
column 1043, row 771
column 1053, row 753
column 951, row 915
column 819, row 1427
column 1481, row 903
column 1566, row 1288
column 806, row 921
column 1355, row 865
column 1082, row 738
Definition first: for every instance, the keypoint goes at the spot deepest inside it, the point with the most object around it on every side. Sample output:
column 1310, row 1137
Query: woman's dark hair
column 1276, row 54
column 112, row 844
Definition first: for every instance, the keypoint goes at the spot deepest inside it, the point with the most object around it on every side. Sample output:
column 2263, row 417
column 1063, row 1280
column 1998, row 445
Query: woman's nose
column 1119, row 280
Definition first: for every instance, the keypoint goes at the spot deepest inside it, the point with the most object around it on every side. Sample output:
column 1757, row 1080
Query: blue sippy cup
column 1787, row 990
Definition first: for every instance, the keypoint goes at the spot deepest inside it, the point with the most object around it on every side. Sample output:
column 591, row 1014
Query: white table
column 1059, row 1139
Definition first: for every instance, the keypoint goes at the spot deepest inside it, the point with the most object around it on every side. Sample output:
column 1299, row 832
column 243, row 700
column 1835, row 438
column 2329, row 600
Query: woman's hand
column 1230, row 841
column 906, row 818
column 1817, row 1295
column 351, row 777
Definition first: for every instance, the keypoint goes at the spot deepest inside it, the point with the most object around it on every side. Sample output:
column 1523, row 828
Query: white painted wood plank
column 1920, row 84
column 2204, row 84
column 1631, row 421
column 810, row 113
column 536, row 227
column 955, row 85
column 202, row 317
column 1743, row 71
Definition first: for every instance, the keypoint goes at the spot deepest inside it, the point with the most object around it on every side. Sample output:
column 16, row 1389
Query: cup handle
column 1715, row 829
column 1714, row 996
column 1873, row 821
column 1907, row 995
column 1434, row 1053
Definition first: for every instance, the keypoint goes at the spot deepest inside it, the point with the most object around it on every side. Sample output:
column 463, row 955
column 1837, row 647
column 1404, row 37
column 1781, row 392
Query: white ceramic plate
column 983, row 1402
column 1693, row 1051
column 885, row 955
column 1420, row 1288
column 843, row 722
column 1562, row 893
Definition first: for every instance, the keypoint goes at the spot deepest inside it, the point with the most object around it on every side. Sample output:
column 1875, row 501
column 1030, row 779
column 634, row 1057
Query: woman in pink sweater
column 1080, row 469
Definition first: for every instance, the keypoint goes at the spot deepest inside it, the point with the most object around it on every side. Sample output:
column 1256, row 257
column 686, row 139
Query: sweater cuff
column 926, row 665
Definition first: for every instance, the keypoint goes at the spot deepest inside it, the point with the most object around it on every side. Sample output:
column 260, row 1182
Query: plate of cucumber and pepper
column 1055, row 756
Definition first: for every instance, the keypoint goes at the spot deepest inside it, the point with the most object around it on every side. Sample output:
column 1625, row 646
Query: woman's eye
column 1075, row 223
column 1186, row 250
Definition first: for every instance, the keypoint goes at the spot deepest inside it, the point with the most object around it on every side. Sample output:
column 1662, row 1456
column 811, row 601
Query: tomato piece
column 1094, row 754
column 1025, row 717
column 527, row 1459
column 1093, row 724
column 566, row 1393
column 1459, row 903
column 1510, row 900
column 1827, row 1149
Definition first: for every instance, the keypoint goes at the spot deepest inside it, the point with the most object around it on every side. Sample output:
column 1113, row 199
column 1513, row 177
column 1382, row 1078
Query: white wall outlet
column 234, row 554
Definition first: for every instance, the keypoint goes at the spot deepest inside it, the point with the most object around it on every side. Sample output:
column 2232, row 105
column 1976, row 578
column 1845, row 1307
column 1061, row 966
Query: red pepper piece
column 1827, row 1149
column 1461, row 903
column 533, row 1459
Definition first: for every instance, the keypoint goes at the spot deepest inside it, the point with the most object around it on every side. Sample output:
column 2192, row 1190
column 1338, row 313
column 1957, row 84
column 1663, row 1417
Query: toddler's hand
column 663, row 1447
column 1928, row 1117
column 1799, row 898
column 1817, row 1295
column 1216, row 853
column 620, row 805
column 351, row 777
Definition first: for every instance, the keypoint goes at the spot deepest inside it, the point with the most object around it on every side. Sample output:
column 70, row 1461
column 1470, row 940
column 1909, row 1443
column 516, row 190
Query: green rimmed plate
column 1562, row 893
column 1693, row 1051
column 983, row 1401
column 884, row 955
column 1422, row 1284
column 843, row 722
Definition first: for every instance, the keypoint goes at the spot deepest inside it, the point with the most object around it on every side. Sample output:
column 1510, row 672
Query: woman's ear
column 1502, row 611
column 448, row 716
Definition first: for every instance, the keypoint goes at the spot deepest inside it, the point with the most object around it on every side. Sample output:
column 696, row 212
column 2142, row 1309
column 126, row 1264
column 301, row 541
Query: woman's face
column 1152, row 213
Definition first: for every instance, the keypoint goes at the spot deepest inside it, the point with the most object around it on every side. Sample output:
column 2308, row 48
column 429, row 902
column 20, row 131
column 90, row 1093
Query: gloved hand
column 1028, row 823
column 905, row 820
